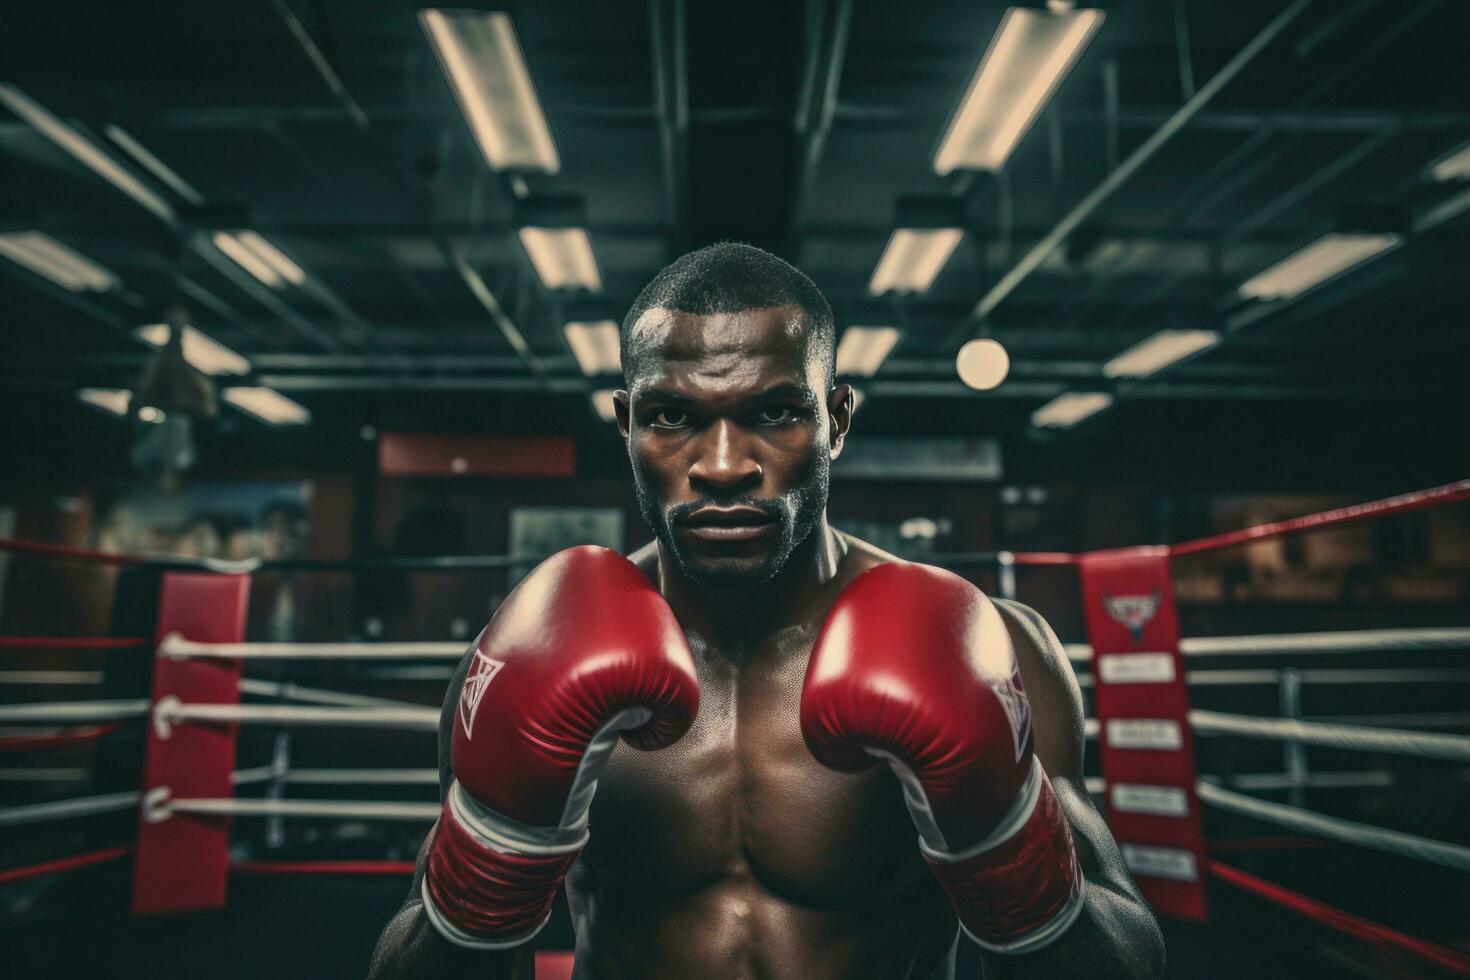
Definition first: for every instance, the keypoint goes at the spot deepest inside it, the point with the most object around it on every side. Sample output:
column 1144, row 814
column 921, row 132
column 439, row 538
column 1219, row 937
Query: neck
column 740, row 615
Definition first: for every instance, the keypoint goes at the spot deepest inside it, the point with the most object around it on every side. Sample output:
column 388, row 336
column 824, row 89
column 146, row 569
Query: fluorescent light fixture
column 982, row 364
column 1159, row 351
column 479, row 54
column 595, row 346
column 1454, row 165
column 563, row 257
column 912, row 259
column 89, row 154
column 1067, row 410
column 1329, row 256
column 267, row 405
column 259, row 258
column 1027, row 59
column 862, row 350
column 114, row 400
column 50, row 259
column 602, row 400
column 205, row 353
column 145, row 159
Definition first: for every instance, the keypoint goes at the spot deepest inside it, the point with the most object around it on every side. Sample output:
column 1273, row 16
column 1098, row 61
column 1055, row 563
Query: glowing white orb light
column 983, row 364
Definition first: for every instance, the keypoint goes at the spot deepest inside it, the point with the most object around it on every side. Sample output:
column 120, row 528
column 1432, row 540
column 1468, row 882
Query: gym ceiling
column 1185, row 149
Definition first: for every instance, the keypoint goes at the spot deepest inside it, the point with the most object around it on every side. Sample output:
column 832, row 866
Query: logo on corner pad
column 1132, row 612
column 1013, row 701
column 482, row 672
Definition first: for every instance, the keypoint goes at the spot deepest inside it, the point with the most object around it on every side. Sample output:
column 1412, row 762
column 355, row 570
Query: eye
column 670, row 418
column 777, row 415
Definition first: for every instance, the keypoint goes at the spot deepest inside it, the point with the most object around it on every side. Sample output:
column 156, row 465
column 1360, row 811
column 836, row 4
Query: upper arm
column 447, row 715
column 1057, row 713
column 1057, row 723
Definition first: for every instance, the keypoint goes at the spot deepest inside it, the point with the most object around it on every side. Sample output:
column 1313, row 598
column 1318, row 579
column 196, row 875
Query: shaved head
column 728, row 278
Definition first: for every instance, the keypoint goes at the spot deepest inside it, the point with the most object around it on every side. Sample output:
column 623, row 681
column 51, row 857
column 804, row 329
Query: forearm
column 410, row 947
column 1115, row 936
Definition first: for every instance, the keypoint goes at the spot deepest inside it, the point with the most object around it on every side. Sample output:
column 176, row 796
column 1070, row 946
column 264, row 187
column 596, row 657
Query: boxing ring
column 1139, row 672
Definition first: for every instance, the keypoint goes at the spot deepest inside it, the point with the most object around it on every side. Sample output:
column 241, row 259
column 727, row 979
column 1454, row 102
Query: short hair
column 731, row 277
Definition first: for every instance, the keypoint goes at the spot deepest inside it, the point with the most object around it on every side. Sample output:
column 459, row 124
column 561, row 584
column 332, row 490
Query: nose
column 724, row 462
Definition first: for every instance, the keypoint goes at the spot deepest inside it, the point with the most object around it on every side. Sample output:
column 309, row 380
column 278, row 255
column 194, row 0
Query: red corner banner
column 183, row 860
column 1142, row 706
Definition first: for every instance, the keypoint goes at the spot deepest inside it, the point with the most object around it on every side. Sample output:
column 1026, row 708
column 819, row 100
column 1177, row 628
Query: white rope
column 79, row 677
column 65, row 712
column 170, row 711
column 340, row 777
column 175, row 645
column 1335, row 828
column 1337, row 736
column 314, row 695
column 332, row 809
column 59, row 809
column 1368, row 779
column 40, row 774
column 1346, row 641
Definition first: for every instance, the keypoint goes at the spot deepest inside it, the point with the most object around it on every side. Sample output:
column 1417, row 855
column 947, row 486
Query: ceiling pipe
column 1084, row 209
column 671, row 94
column 818, row 106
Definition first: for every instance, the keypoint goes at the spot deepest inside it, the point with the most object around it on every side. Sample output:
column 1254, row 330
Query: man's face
column 731, row 434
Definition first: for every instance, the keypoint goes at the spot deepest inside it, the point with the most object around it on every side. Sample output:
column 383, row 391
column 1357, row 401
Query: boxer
column 760, row 747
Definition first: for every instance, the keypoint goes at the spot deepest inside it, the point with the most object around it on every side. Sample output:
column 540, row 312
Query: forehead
column 718, row 349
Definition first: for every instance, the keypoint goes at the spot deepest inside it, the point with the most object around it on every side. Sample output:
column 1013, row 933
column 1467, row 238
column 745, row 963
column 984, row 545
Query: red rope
column 13, row 875
column 73, row 642
column 68, row 553
column 1044, row 558
column 1450, row 493
column 1345, row 922
column 25, row 743
column 324, row 867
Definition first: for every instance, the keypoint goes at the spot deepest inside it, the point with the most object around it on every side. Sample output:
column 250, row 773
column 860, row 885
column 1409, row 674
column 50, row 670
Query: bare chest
column 741, row 797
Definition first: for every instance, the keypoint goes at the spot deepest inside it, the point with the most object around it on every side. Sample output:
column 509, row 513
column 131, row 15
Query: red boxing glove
column 915, row 666
column 584, row 651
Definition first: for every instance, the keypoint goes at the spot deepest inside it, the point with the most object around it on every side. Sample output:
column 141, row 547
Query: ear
column 839, row 410
column 620, row 411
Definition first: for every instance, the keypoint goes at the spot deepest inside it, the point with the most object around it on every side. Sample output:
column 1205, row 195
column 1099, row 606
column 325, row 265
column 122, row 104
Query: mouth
column 728, row 524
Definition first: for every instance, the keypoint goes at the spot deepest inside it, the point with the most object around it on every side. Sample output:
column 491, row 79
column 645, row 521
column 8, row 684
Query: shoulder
column 1058, row 715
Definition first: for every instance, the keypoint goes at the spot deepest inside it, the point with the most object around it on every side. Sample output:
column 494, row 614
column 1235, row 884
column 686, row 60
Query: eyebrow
column 786, row 391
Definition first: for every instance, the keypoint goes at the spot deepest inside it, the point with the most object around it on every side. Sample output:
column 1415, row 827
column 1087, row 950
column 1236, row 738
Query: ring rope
column 339, row 777
column 313, row 695
column 1344, row 641
column 82, row 806
column 66, row 712
column 73, row 642
column 51, row 740
column 1337, row 736
column 174, row 645
column 42, row 774
column 1335, row 828
column 12, row 876
column 335, row 809
column 169, row 711
column 1341, row 921
column 57, row 677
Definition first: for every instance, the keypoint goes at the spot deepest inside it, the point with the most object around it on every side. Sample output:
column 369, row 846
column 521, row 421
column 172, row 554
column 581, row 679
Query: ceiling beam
column 671, row 95
column 1039, row 252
